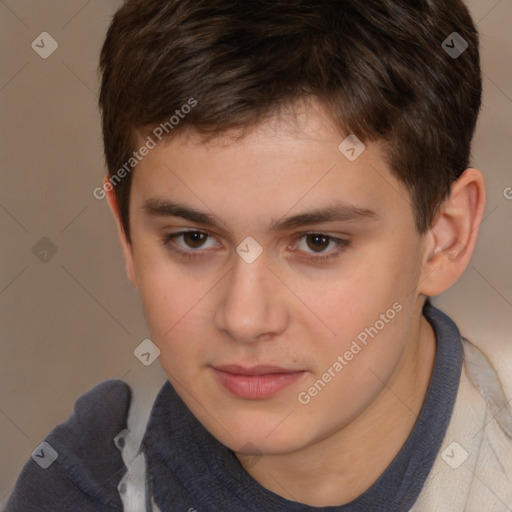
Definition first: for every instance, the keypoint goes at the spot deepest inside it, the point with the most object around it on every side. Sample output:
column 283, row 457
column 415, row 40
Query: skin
column 289, row 310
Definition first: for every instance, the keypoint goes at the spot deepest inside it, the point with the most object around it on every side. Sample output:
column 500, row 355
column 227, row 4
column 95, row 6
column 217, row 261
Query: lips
column 255, row 383
column 255, row 370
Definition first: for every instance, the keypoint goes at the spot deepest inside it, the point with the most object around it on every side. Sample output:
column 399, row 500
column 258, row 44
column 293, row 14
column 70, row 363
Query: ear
column 125, row 244
column 451, row 240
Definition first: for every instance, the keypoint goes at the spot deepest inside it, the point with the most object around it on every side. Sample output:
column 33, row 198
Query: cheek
column 351, row 302
column 177, row 311
column 351, row 370
column 165, row 292
column 365, row 312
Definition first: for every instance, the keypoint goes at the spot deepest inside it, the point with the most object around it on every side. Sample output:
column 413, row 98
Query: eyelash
column 341, row 245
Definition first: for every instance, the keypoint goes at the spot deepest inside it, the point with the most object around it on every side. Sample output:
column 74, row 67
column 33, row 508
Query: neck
column 343, row 466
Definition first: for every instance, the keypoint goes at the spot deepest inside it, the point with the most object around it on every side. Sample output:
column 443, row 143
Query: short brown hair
column 377, row 66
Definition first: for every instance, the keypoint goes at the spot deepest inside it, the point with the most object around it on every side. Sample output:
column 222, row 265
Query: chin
column 263, row 437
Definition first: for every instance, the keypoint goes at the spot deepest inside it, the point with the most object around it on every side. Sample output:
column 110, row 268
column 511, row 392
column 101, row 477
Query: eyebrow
column 337, row 212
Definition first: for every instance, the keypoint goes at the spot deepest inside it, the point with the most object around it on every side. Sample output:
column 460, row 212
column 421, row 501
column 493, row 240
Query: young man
column 290, row 183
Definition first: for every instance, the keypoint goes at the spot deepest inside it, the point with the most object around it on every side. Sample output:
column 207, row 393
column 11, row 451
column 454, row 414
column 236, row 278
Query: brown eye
column 318, row 242
column 194, row 239
column 319, row 247
column 192, row 245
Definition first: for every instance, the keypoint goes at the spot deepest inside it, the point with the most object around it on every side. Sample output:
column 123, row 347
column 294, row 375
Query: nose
column 252, row 306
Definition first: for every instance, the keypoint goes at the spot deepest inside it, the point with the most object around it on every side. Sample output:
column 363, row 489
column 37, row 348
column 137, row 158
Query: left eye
column 317, row 243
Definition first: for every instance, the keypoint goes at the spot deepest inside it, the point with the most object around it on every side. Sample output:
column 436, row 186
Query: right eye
column 187, row 243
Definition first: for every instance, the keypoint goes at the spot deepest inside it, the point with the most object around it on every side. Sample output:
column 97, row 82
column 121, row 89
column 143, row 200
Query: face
column 278, row 278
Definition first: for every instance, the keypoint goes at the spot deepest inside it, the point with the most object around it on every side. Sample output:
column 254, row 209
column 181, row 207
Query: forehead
column 285, row 164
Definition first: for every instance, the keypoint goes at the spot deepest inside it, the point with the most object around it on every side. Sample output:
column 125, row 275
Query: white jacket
column 473, row 470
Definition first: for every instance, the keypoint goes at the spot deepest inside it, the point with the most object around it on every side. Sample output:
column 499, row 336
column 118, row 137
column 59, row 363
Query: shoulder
column 476, row 455
column 105, row 405
column 88, row 467
column 491, row 452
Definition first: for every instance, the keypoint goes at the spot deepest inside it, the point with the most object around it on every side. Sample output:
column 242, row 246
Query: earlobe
column 452, row 237
column 125, row 244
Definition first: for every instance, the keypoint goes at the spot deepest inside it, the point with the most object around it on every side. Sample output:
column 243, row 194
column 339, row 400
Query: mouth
column 256, row 383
